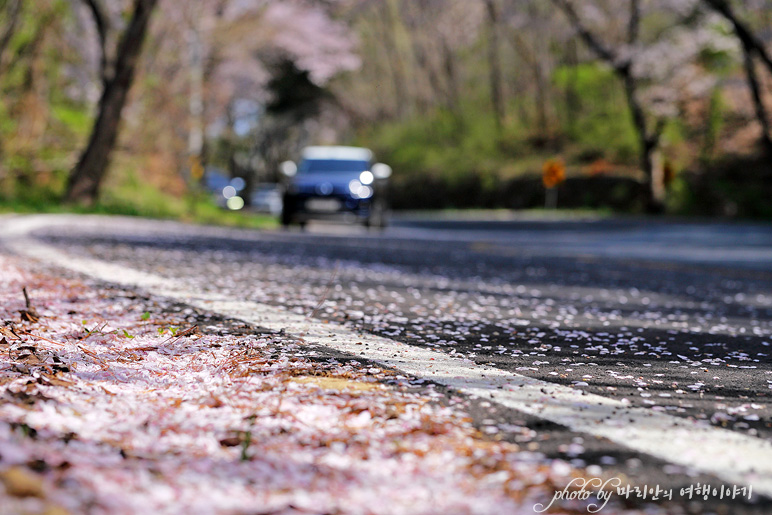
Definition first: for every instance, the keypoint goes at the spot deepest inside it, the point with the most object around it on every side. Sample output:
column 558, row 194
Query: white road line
column 730, row 456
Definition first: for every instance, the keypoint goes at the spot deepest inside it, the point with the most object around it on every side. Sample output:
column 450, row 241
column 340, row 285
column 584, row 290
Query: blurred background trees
column 652, row 104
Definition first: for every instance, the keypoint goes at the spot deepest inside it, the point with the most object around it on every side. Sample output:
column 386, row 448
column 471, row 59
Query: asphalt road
column 671, row 317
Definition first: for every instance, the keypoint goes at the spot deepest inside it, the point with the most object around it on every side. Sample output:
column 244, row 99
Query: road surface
column 640, row 348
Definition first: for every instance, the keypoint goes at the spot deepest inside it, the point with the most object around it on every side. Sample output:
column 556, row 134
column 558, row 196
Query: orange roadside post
column 196, row 168
column 553, row 174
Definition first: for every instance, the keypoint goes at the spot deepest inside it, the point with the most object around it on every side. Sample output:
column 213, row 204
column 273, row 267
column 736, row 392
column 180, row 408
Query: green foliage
column 76, row 119
column 131, row 197
column 446, row 149
column 7, row 124
column 462, row 156
column 39, row 126
column 714, row 125
column 719, row 62
column 680, row 197
column 293, row 92
column 603, row 126
column 128, row 194
column 444, row 144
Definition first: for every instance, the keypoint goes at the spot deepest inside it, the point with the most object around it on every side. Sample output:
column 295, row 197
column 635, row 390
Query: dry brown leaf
column 232, row 441
column 56, row 381
column 29, row 315
column 20, row 482
column 8, row 332
column 27, row 395
column 213, row 402
column 181, row 334
column 335, row 383
column 31, row 360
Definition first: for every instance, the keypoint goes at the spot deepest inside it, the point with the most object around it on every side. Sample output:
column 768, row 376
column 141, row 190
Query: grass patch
column 133, row 198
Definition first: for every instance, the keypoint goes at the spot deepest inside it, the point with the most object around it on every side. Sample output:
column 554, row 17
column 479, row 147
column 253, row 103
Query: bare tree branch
column 758, row 102
column 751, row 46
column 494, row 63
column 14, row 9
column 31, row 44
column 589, row 38
column 102, row 24
column 634, row 26
column 747, row 38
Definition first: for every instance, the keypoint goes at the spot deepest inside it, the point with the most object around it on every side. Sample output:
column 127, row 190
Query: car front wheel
column 286, row 217
column 377, row 218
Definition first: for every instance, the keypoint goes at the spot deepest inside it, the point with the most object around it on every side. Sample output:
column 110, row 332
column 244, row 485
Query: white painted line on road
column 730, row 456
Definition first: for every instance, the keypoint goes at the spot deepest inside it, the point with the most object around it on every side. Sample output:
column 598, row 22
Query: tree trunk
column 86, row 178
column 529, row 55
column 424, row 63
column 423, row 56
column 541, row 100
column 758, row 102
column 573, row 101
column 195, row 106
column 649, row 143
column 494, row 63
column 389, row 15
column 13, row 12
column 451, row 75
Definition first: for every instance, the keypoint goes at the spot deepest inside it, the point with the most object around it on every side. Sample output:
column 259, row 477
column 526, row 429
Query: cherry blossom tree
column 212, row 53
column 280, row 58
column 753, row 48
column 656, row 67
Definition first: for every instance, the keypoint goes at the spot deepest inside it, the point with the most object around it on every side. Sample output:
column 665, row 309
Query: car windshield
column 332, row 165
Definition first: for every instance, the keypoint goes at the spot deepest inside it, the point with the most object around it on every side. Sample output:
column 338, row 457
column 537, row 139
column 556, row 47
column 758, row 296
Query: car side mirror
column 288, row 168
column 381, row 171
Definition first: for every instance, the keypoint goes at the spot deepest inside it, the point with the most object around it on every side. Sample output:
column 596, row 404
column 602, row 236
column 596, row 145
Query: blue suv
column 335, row 183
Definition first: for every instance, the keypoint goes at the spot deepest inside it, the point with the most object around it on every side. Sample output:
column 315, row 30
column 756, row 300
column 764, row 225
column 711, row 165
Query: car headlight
column 365, row 192
column 359, row 190
column 354, row 186
column 366, row 177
